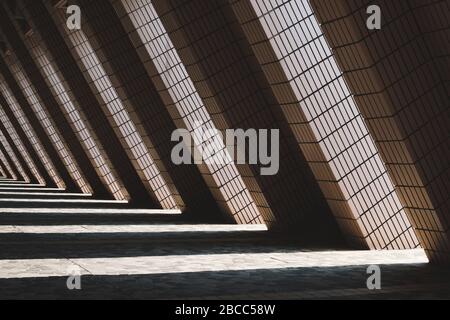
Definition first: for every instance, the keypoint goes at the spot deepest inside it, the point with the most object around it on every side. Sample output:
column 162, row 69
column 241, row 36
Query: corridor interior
column 47, row 235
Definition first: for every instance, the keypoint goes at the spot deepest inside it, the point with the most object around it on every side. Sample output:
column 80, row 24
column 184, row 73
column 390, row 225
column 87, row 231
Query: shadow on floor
column 296, row 283
column 27, row 246
column 52, row 218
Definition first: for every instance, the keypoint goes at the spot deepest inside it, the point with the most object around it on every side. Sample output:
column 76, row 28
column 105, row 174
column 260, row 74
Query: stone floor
column 123, row 253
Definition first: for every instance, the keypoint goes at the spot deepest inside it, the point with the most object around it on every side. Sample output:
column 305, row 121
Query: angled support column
column 321, row 112
column 153, row 121
column 119, row 113
column 105, row 137
column 74, row 128
column 186, row 109
column 39, row 97
column 229, row 80
column 399, row 76
column 99, row 29
column 3, row 170
column 74, row 99
column 110, row 110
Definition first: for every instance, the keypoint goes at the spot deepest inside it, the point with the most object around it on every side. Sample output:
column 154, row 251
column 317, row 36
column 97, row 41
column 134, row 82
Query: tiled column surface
column 21, row 174
column 3, row 170
column 95, row 96
column 67, row 169
column 320, row 110
column 399, row 75
column 13, row 137
column 230, row 81
column 100, row 178
column 185, row 106
column 4, row 159
column 80, row 105
column 27, row 134
column 149, row 114
column 40, row 98
column 102, row 33
column 152, row 186
column 9, row 158
column 432, row 20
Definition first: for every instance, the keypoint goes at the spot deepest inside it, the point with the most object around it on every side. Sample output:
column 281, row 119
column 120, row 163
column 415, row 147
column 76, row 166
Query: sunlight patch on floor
column 205, row 263
column 71, row 229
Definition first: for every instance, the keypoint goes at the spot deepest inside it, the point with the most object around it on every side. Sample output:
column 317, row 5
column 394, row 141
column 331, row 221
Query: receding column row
column 5, row 174
column 147, row 185
column 101, row 178
column 96, row 109
column 27, row 75
column 23, row 155
column 6, row 162
column 78, row 106
column 8, row 159
column 152, row 121
column 19, row 172
column 28, row 136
